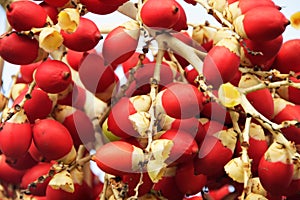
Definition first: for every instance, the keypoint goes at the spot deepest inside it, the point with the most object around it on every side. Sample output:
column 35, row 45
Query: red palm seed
column 25, row 15
column 19, row 49
column 15, row 136
column 53, row 76
column 165, row 15
column 85, row 38
column 45, row 131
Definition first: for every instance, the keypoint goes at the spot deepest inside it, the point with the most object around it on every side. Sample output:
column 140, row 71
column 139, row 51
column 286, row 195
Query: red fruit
column 165, row 15
column 168, row 188
column 262, row 99
column 57, row 3
column 118, row 158
column 121, row 110
column 120, row 44
column 9, row 174
column 186, row 181
column 214, row 153
column 184, row 146
column 191, row 75
column 133, row 179
column 26, row 71
column 99, row 7
column 290, row 93
column 96, row 77
column 39, row 106
column 190, row 125
column 180, row 100
column 287, row 58
column 143, row 75
column 193, row 2
column 242, row 6
column 33, row 174
column 53, row 76
column 221, row 69
column 19, row 49
column 269, row 49
column 78, row 124
column 25, row 15
column 51, row 11
column 36, row 154
column 294, row 186
column 261, row 23
column 86, row 36
column 76, row 97
column 114, row 2
column 133, row 61
column 75, row 58
column 52, row 139
column 21, row 163
column 215, row 111
column 284, row 111
column 81, row 192
column 181, row 24
column 275, row 169
column 15, row 136
column 257, row 146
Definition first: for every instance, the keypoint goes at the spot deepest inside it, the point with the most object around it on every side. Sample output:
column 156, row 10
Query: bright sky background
column 195, row 14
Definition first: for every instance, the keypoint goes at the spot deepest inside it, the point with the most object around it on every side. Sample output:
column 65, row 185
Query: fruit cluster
column 215, row 109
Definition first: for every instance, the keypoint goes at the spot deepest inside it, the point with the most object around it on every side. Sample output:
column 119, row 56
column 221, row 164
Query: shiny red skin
column 81, row 192
column 57, row 3
column 289, row 112
column 182, row 100
column 95, row 76
column 168, row 189
column 118, row 46
column 181, row 24
column 165, row 15
column 186, row 181
column 39, row 106
column 81, row 128
column 246, row 5
column 275, row 177
column 212, row 157
column 9, row 174
column 75, row 98
column 114, row 2
column 51, row 11
column 256, row 150
column 53, row 76
column 22, row 163
column 269, row 49
column 132, row 62
column 264, row 23
column 143, row 75
column 26, row 71
column 15, row 139
column 45, row 132
column 294, row 93
column 184, row 147
column 19, row 49
column 99, row 7
column 118, row 121
column 287, row 58
column 74, row 58
column 133, row 179
column 25, row 15
column 115, row 158
column 33, row 174
column 85, row 38
column 220, row 69
column 262, row 101
column 191, row 126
